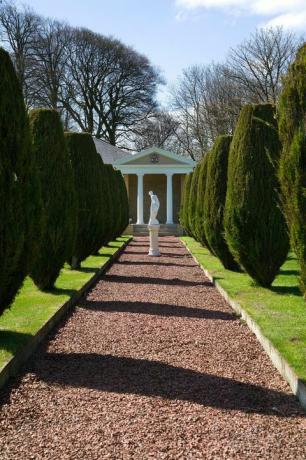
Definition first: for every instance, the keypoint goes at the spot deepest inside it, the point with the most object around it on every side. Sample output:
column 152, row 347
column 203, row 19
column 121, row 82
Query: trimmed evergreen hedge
column 86, row 165
column 214, row 202
column 184, row 219
column 20, row 210
column 200, row 203
column 58, row 196
column 255, row 229
column 292, row 169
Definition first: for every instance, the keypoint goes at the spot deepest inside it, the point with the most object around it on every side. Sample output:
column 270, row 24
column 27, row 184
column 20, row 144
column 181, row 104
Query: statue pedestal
column 153, row 231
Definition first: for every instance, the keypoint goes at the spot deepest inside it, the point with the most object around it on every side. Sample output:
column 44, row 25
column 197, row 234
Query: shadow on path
column 149, row 308
column 165, row 264
column 153, row 280
column 154, row 378
column 165, row 254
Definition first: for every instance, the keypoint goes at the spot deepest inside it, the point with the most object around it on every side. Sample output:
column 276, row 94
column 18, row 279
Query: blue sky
column 175, row 34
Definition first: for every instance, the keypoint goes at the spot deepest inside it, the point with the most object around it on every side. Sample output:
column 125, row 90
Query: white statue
column 153, row 225
column 153, row 209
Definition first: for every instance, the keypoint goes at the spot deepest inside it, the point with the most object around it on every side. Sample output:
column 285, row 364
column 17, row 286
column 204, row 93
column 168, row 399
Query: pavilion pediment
column 155, row 156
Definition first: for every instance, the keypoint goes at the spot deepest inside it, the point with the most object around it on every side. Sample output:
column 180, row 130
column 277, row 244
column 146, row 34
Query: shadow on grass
column 11, row 340
column 87, row 270
column 149, row 308
column 218, row 278
column 289, row 272
column 153, row 280
column 286, row 290
column 103, row 255
column 63, row 291
column 150, row 378
column 291, row 257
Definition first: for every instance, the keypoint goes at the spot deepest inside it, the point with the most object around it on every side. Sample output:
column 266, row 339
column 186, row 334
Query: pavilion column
column 169, row 199
column 139, row 199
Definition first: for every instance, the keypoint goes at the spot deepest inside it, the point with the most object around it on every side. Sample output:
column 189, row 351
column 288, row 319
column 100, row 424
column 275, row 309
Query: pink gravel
column 152, row 364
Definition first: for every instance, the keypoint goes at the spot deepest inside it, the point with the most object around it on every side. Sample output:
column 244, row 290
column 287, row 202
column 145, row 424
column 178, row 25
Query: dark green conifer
column 20, row 210
column 113, row 202
column 86, row 165
column 184, row 220
column 192, row 204
column 124, row 204
column 58, row 196
column 292, row 169
column 101, row 208
column 200, row 203
column 255, row 229
column 214, row 201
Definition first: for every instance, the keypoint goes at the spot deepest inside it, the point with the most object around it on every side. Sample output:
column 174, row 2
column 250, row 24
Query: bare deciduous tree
column 48, row 66
column 158, row 130
column 206, row 104
column 99, row 84
column 258, row 64
column 19, row 28
column 109, row 88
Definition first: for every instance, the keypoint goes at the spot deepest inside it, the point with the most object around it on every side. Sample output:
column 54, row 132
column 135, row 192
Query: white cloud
column 289, row 21
column 287, row 13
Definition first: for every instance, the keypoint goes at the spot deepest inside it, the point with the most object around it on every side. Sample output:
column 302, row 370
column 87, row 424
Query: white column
column 139, row 199
column 169, row 200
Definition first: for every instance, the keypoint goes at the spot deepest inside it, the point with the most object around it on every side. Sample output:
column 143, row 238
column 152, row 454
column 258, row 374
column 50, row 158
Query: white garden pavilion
column 158, row 170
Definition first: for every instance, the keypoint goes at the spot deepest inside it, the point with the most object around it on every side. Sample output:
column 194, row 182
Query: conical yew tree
column 100, row 233
column 292, row 169
column 214, row 202
column 108, row 224
column 184, row 220
column 255, row 229
column 200, row 203
column 192, row 204
column 20, row 210
column 113, row 202
column 86, row 167
column 58, row 195
column 124, row 204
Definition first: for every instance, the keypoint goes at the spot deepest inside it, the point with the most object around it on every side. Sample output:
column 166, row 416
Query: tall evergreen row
column 247, row 197
column 59, row 202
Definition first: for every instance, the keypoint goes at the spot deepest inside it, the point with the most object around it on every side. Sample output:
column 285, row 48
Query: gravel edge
column 12, row 367
column 297, row 386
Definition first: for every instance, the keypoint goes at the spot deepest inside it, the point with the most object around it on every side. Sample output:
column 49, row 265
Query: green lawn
column 32, row 308
column 280, row 311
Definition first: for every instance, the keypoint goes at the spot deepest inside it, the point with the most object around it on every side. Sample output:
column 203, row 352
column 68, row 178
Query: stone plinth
column 153, row 232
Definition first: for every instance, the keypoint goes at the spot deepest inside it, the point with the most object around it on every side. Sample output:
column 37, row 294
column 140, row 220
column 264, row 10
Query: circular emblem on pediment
column 154, row 158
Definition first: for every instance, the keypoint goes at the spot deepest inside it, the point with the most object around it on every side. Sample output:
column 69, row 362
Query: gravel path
column 152, row 365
